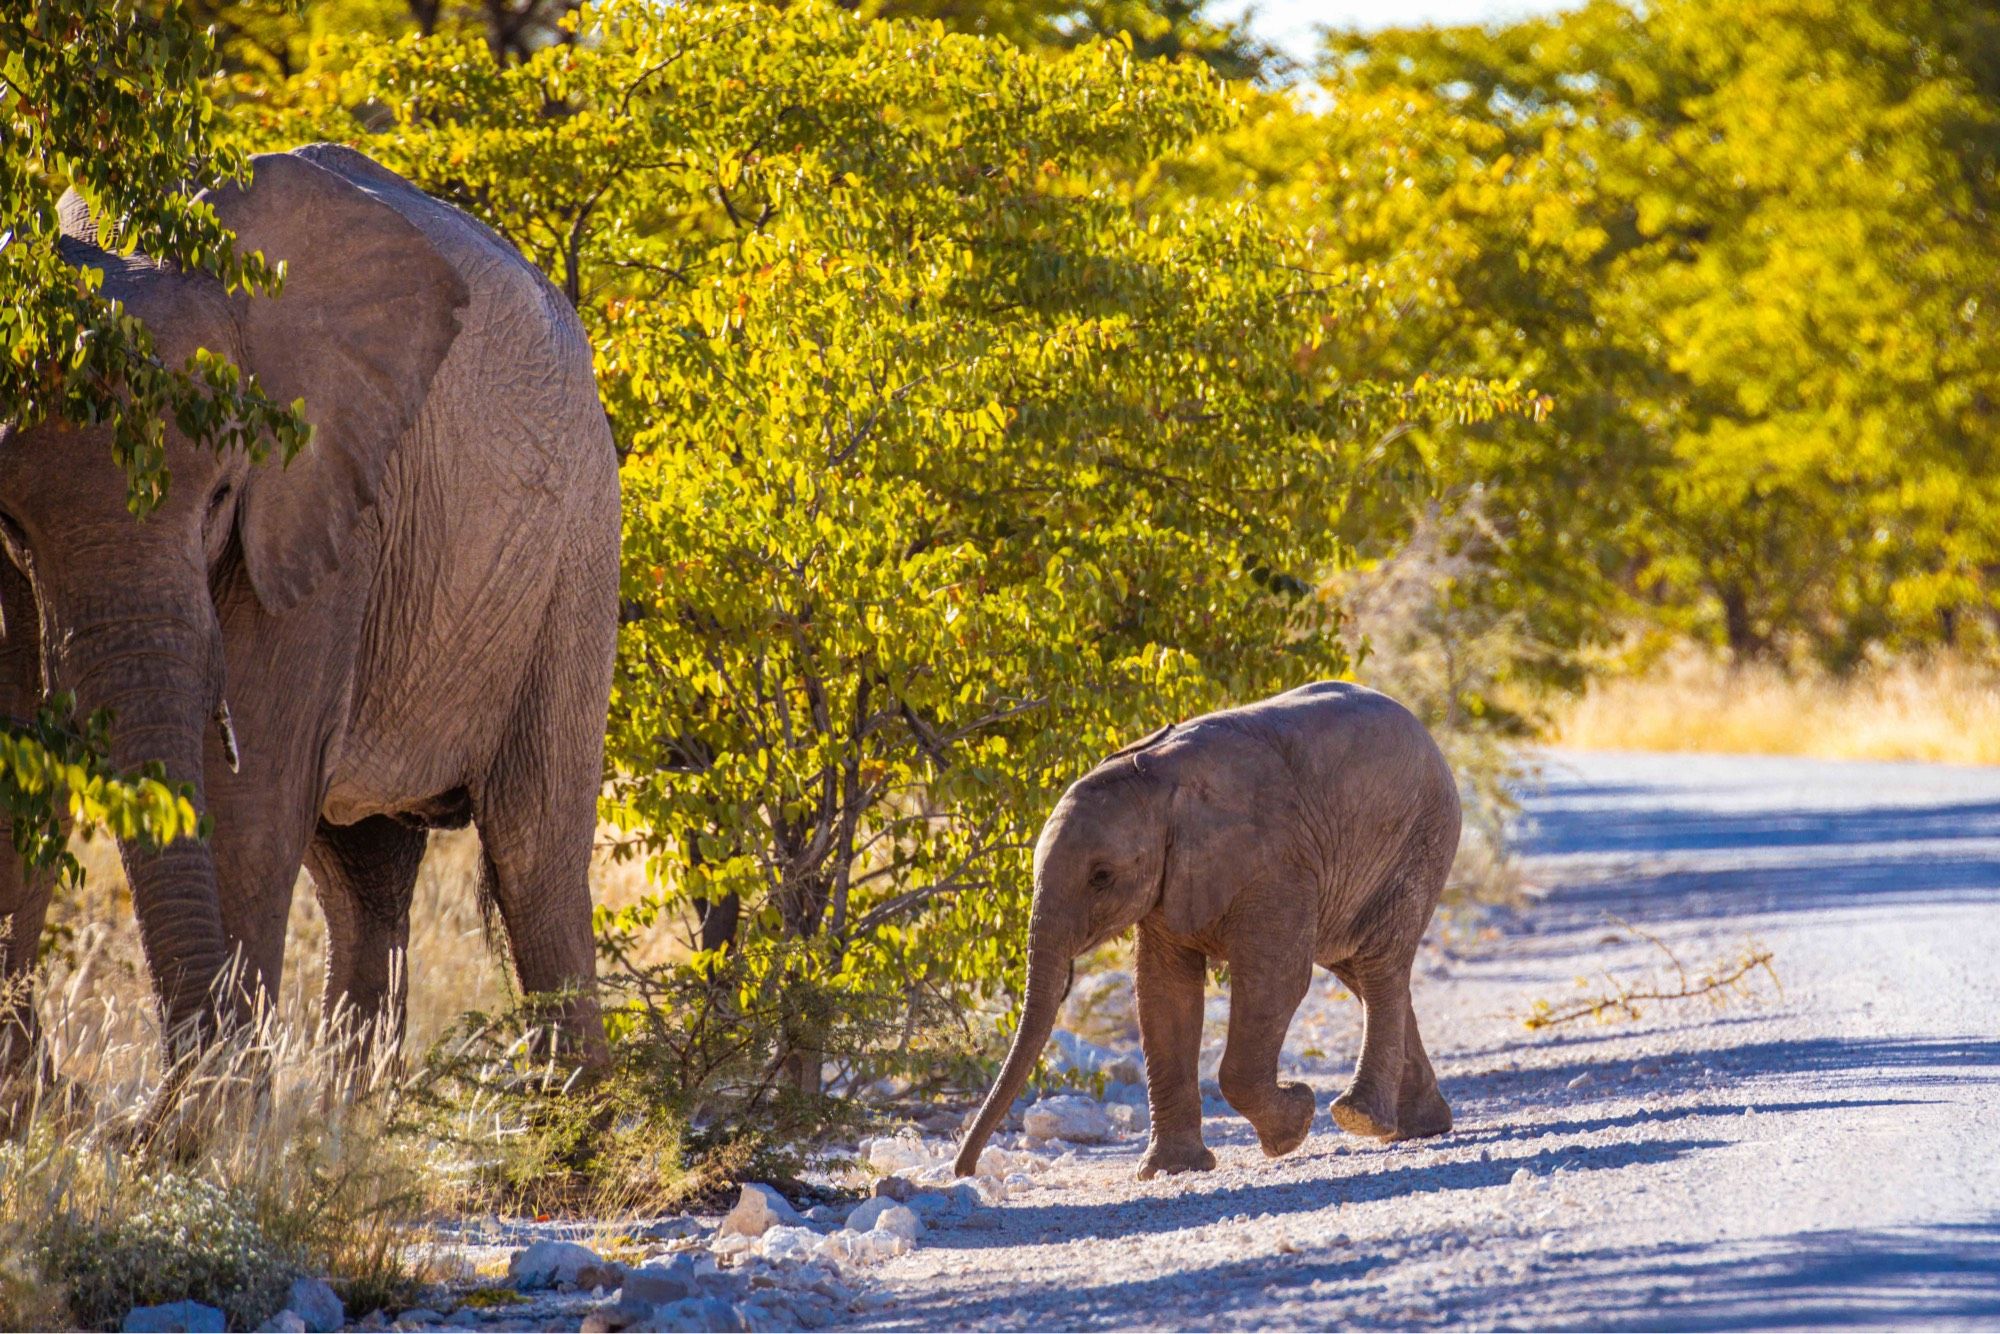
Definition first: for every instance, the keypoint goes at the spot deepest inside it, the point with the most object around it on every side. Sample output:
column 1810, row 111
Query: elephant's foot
column 1364, row 1112
column 1175, row 1157
column 1425, row 1115
column 1285, row 1126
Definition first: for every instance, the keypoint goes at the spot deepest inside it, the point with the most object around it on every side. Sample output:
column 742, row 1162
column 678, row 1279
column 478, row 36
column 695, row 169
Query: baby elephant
column 1313, row 827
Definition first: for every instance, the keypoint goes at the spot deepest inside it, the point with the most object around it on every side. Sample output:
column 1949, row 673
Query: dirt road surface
column 1828, row 1157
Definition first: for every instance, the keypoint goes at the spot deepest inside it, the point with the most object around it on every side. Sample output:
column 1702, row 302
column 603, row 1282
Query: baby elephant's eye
column 1100, row 878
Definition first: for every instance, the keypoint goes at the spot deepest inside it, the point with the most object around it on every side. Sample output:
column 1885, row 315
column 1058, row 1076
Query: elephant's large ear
column 368, row 312
column 1216, row 837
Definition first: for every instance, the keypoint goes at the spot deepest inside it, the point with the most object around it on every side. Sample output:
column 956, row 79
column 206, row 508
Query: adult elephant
column 409, row 627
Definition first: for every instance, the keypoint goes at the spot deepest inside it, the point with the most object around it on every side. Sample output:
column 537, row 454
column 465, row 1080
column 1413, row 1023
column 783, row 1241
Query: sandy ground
column 1829, row 1156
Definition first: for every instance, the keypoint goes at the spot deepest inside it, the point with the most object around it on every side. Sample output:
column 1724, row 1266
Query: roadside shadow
column 1172, row 1297
column 1486, row 1132
column 1866, row 1278
column 1852, row 1278
column 1722, row 851
column 1193, row 1207
column 1562, row 825
column 1812, row 884
column 1895, row 1064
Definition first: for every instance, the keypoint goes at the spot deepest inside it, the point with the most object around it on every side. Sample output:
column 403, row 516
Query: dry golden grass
column 276, row 1156
column 271, row 1157
column 1940, row 709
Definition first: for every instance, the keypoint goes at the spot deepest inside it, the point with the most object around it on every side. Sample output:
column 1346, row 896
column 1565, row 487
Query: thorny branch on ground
column 1733, row 977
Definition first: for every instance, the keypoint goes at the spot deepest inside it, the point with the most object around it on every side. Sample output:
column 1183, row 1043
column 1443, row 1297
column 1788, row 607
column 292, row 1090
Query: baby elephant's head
column 1099, row 868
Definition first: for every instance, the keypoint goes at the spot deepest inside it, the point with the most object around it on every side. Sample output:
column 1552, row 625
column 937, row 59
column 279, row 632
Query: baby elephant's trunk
column 1048, row 970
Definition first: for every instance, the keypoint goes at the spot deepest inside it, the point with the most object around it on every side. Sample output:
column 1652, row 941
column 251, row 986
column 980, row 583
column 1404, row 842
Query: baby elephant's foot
column 1364, row 1112
column 1285, row 1127
column 1425, row 1115
column 1172, row 1158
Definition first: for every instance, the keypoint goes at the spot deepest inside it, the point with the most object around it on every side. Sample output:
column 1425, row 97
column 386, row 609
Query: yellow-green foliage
column 955, row 454
column 1746, row 249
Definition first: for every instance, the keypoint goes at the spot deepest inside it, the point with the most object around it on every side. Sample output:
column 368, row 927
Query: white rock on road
column 1071, row 1117
column 548, row 1264
column 758, row 1209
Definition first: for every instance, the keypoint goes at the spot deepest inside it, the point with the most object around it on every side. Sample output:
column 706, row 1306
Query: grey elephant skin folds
column 409, row 626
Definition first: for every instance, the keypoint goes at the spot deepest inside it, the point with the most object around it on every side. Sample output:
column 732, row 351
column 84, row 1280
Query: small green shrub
column 169, row 1238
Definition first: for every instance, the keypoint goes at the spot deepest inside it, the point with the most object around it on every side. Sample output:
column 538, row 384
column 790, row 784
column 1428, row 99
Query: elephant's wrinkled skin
column 411, row 625
column 1314, row 827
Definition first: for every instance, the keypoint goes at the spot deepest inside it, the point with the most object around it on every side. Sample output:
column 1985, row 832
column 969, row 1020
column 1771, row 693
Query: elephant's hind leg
column 1264, row 993
column 365, row 874
column 536, row 805
column 1421, row 1110
column 1372, row 1102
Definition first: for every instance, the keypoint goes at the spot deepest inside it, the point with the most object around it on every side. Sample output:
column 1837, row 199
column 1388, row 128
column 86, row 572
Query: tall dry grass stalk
column 284, row 1153
column 1943, row 709
column 269, row 1159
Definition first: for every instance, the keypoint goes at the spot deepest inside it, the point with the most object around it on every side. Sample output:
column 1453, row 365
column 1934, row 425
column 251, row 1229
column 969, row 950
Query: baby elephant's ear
column 368, row 312
column 1214, row 840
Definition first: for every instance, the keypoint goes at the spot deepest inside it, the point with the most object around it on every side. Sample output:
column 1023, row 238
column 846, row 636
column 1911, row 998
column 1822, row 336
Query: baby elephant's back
column 1385, row 794
column 1339, row 728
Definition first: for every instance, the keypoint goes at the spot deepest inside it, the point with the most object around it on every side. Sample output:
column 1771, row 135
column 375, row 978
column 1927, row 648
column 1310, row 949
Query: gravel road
column 1830, row 1156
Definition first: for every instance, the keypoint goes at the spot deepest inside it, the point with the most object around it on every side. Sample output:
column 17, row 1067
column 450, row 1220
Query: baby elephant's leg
column 1372, row 1104
column 1264, row 993
column 1420, row 1109
column 1169, row 984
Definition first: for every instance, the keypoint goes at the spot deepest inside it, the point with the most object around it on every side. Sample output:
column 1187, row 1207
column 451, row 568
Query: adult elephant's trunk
column 1048, row 978
column 158, row 671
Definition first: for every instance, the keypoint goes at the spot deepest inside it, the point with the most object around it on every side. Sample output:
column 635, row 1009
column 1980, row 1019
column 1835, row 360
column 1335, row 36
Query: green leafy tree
column 952, row 457
column 1785, row 343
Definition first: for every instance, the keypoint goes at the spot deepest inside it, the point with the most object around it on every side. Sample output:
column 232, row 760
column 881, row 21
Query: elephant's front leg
column 1169, row 984
column 1267, row 980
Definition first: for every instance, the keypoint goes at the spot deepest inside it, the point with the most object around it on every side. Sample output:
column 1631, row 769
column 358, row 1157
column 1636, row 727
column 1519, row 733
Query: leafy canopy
column 956, row 452
column 1751, row 249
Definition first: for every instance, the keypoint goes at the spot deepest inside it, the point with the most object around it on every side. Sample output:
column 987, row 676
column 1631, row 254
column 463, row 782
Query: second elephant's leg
column 365, row 874
column 1169, row 986
column 1370, row 1105
column 1264, row 993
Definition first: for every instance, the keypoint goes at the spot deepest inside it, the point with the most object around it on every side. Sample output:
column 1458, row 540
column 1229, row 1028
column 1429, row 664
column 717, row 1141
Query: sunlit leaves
column 954, row 454
column 54, row 768
column 1751, row 244
column 107, row 99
